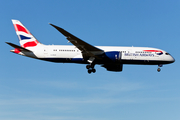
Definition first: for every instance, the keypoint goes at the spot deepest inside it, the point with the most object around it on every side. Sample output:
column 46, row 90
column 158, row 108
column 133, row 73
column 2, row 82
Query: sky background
column 31, row 89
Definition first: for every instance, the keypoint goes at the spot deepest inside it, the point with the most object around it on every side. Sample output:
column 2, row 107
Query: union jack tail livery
column 26, row 39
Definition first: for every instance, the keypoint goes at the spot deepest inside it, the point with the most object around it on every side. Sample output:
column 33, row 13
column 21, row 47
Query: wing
column 85, row 48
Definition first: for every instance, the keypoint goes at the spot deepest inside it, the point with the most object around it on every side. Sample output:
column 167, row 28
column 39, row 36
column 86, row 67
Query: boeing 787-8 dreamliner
column 111, row 58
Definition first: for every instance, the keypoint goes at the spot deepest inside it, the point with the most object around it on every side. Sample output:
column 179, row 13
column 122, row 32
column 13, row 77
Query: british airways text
column 139, row 54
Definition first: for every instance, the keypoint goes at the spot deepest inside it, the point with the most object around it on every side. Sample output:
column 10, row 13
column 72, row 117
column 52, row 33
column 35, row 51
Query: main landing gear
column 91, row 68
column 159, row 69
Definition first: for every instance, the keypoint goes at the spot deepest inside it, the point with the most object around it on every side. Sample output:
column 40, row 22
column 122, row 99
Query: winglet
column 64, row 32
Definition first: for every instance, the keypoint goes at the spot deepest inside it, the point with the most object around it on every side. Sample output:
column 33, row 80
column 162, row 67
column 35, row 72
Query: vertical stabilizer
column 26, row 39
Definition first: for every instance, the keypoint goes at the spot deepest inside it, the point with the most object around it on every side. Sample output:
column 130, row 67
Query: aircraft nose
column 172, row 59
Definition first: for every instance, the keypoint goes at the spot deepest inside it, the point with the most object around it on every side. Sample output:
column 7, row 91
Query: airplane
column 110, row 57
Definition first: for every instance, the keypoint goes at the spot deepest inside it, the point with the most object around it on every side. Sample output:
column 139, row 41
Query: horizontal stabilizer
column 18, row 47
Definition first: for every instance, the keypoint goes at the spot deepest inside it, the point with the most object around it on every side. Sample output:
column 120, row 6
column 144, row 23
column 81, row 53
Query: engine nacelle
column 113, row 67
column 114, row 56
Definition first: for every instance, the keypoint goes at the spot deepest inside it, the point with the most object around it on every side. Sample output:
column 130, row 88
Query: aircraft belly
column 65, row 60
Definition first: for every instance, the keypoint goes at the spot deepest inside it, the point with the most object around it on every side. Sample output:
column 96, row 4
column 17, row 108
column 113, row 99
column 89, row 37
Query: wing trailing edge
column 86, row 48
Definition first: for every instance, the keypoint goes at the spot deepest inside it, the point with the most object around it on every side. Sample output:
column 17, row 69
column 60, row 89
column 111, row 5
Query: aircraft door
column 45, row 51
column 119, row 57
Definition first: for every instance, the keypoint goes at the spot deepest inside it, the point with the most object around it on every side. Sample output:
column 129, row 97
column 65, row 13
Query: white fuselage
column 129, row 55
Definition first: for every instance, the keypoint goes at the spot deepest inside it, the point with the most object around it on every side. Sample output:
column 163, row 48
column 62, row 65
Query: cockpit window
column 167, row 53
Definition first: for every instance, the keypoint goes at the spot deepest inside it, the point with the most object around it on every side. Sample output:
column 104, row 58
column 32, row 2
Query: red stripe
column 152, row 51
column 21, row 28
column 30, row 44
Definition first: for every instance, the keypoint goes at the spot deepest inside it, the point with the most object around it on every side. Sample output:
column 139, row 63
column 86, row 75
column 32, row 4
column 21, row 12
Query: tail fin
column 26, row 39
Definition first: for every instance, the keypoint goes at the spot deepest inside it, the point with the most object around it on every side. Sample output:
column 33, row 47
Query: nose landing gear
column 159, row 69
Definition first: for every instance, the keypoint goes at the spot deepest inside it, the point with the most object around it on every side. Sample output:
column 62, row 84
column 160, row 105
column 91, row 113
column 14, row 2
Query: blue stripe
column 24, row 37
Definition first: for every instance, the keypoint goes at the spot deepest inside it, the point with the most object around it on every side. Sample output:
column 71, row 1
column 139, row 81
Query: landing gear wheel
column 89, row 71
column 88, row 66
column 93, row 70
column 158, row 69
